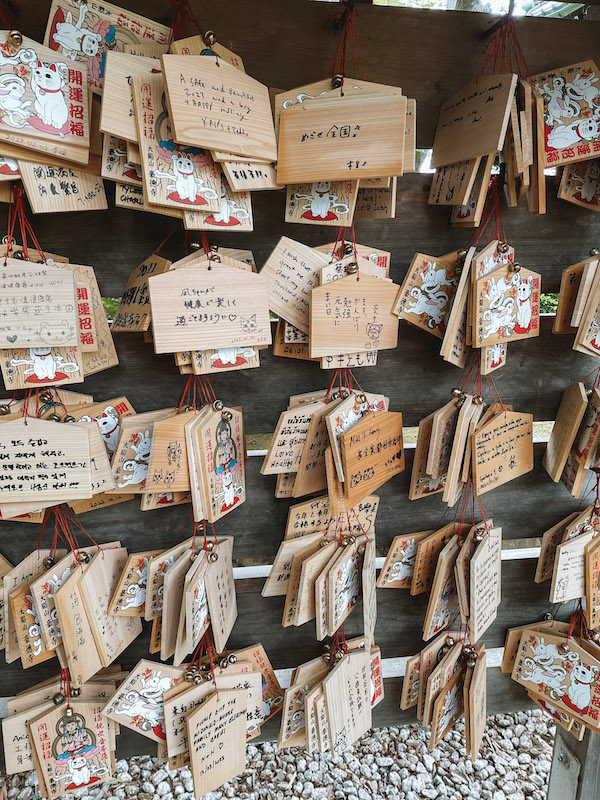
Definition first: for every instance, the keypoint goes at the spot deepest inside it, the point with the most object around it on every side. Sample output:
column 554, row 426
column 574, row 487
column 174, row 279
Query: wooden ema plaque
column 570, row 126
column 353, row 314
column 84, row 33
column 321, row 202
column 50, row 98
column 372, row 453
column 570, row 413
column 473, row 122
column 507, row 307
column 579, row 184
column 215, row 105
column 181, row 177
column 502, row 450
column 343, row 138
column 201, row 309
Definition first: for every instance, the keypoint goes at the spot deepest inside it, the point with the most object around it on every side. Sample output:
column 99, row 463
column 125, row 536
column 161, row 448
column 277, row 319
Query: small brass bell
column 209, row 37
column 461, row 255
column 206, row 669
column 189, row 676
column 69, row 418
column 226, row 415
column 193, row 555
column 361, row 398
column 75, row 692
column 223, row 663
column 195, row 245
column 347, row 248
column 478, row 536
column 460, row 402
column 595, row 251
column 209, row 545
column 58, row 698
column 83, row 557
column 212, row 557
column 15, row 39
column 595, row 637
column 352, row 268
column 324, row 543
column 215, row 257
column 197, row 680
column 19, row 254
column 232, row 658
column 4, row 410
column 214, row 247
column 547, row 616
column 338, row 655
column 361, row 549
column 218, row 405
column 514, row 267
column 478, row 400
column 337, row 81
column 450, row 641
column 564, row 648
column 327, row 657
column 471, row 662
column 48, row 562
column 456, row 392
column 54, row 417
column 46, row 397
column 502, row 247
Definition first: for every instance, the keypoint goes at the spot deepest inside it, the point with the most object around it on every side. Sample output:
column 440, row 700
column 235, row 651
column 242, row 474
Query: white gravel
column 514, row 764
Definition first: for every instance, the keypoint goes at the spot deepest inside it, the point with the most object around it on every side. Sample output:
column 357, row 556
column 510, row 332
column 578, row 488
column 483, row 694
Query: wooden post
column 575, row 773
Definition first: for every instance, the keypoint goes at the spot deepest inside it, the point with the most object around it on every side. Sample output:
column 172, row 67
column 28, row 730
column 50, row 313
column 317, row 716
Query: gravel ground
column 514, row 764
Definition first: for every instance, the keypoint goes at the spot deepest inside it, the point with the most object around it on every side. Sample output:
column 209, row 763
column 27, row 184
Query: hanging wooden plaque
column 196, row 46
column 343, row 138
column 321, row 202
column 115, row 166
column 215, row 105
column 571, row 128
column 451, row 185
column 473, row 121
column 502, row 450
column 199, row 309
column 570, row 413
column 507, row 307
column 352, row 315
column 117, row 117
column 580, row 184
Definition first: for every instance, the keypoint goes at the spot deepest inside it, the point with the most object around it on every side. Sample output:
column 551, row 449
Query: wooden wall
column 430, row 54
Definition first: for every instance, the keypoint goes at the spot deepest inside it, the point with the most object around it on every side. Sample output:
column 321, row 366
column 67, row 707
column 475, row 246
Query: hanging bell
column 348, row 540
column 338, row 655
column 213, row 556
column 347, row 248
column 337, row 81
column 4, row 409
column 58, row 698
column 514, row 267
column 361, row 549
column 324, row 543
column 547, row 616
column 209, row 545
column 48, row 562
column 563, row 648
column 461, row 255
column 15, row 39
column 479, row 536
column 193, row 555
column 75, row 692
column 360, row 398
column 502, row 247
column 450, row 641
column 471, row 662
column 595, row 637
column 83, row 557
column 226, row 415
column 46, row 397
column 54, row 417
column 69, row 418
column 327, row 657
column 195, row 245
column 218, row 405
column 223, row 663
column 19, row 254
column 232, row 658
column 352, row 268
column 189, row 676
column 209, row 37
column 595, row 251
column 478, row 400
column 214, row 247
column 215, row 257
column 197, row 680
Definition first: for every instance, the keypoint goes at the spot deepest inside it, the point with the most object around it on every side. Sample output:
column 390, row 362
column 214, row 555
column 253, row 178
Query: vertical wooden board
column 410, row 137
column 506, row 306
column 321, row 202
column 585, row 285
column 502, row 450
column 220, row 462
column 220, row 591
column 592, row 583
column 31, row 646
column 118, row 113
column 133, row 312
column 469, row 214
column 168, row 462
column 443, row 599
column 572, row 408
column 174, row 176
column 485, row 581
column 236, row 108
column 86, row 34
column 342, row 138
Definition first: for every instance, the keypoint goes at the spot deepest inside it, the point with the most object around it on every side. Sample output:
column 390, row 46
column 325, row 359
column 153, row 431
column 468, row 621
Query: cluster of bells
column 461, row 397
column 469, row 652
column 49, row 402
column 82, row 557
column 197, row 674
column 332, row 655
column 212, row 554
column 564, row 647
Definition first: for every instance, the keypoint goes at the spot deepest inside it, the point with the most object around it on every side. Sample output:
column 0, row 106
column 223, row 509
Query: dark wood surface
column 430, row 54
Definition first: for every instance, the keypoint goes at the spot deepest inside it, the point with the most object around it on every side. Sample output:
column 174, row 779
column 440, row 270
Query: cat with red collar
column 47, row 84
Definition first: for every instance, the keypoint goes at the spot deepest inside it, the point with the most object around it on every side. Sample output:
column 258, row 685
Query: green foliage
column 110, row 306
column 549, row 303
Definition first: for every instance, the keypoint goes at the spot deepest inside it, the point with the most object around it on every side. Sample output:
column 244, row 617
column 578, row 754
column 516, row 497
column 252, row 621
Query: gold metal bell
column 69, row 418
column 15, row 39
column 83, row 557
column 58, row 698
column 450, row 641
column 595, row 251
column 218, row 405
column 324, row 543
column 197, row 679
column 502, row 247
column 48, row 562
column 352, row 268
column 210, row 37
column 4, row 410
column 564, row 648
column 209, row 545
column 214, row 247
column 226, row 415
column 46, row 397
column 479, row 536
column 461, row 255
column 54, row 417
column 337, row 81
column 195, row 245
column 193, row 555
column 347, row 248
column 514, row 267
column 361, row 549
column 456, row 392
column 327, row 657
column 212, row 557
column 68, row 711
column 361, row 398
column 348, row 540
column 478, row 400
column 338, row 655
column 75, row 692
